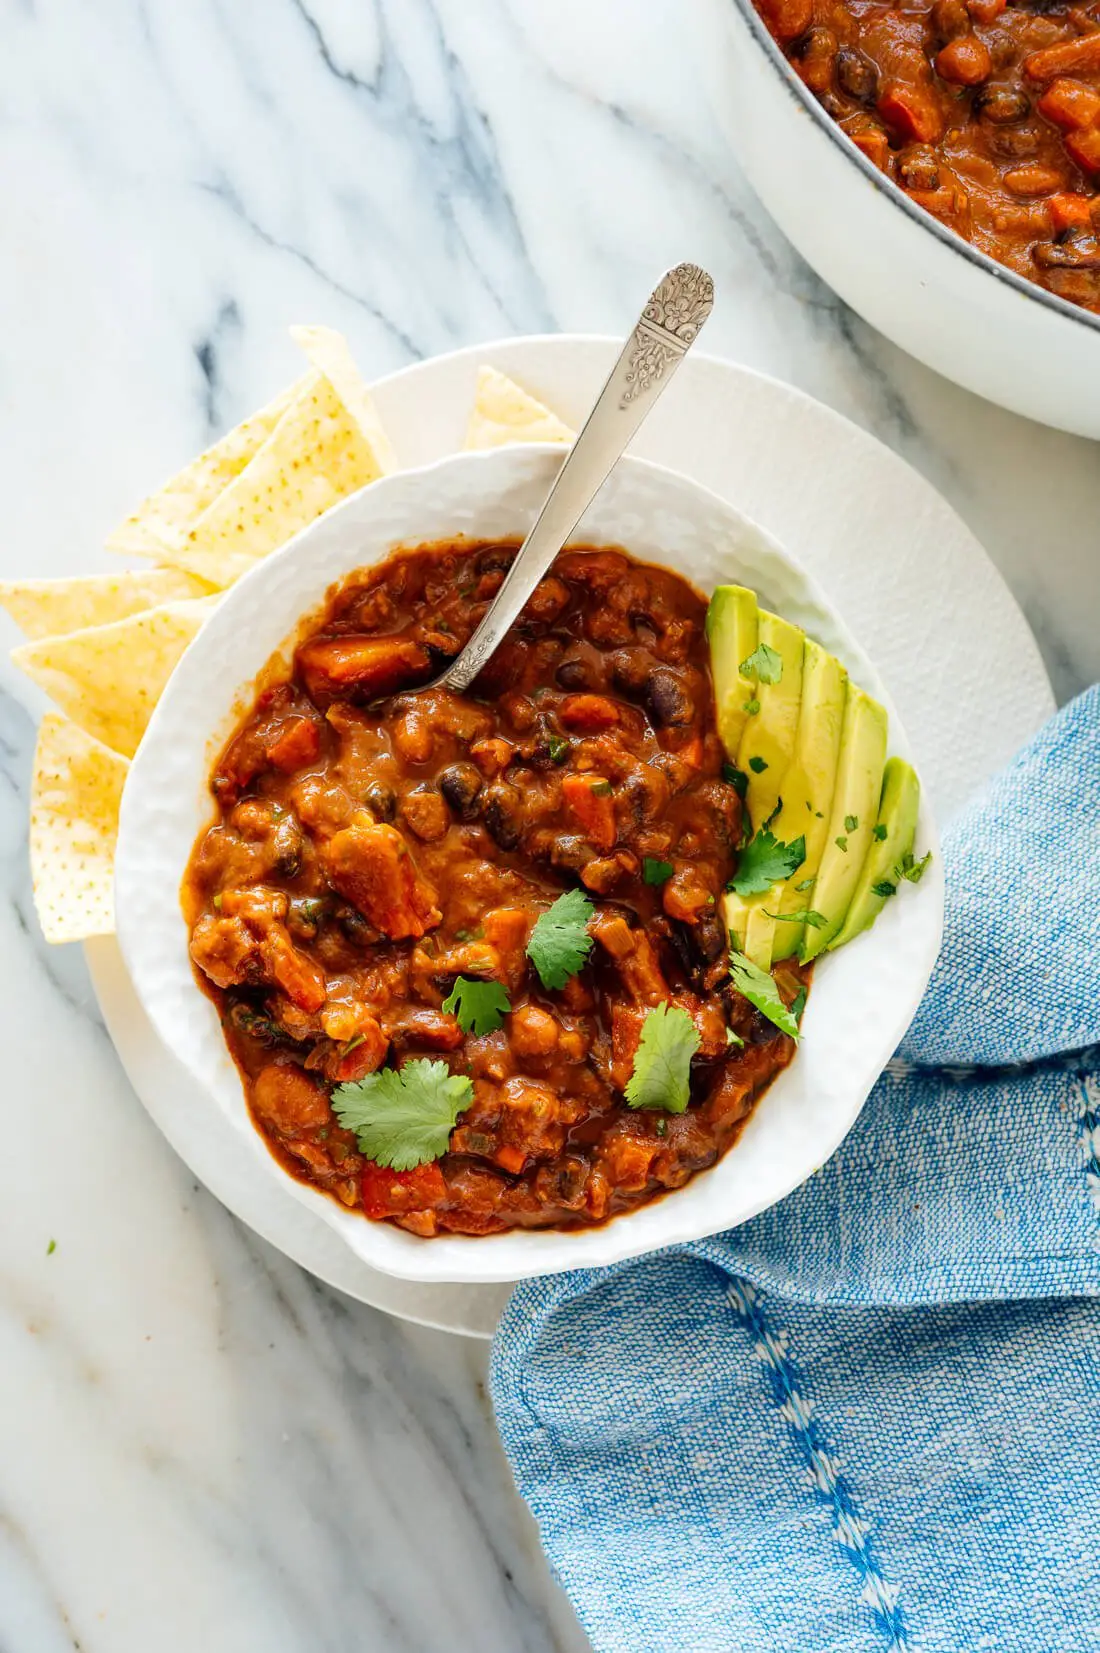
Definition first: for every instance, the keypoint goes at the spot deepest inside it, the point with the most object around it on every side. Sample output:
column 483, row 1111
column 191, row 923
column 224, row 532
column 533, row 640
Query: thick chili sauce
column 373, row 843
column 986, row 114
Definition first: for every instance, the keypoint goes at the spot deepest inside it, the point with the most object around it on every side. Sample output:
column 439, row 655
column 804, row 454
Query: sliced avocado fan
column 767, row 740
column 892, row 840
column 807, row 800
column 852, row 819
column 731, row 627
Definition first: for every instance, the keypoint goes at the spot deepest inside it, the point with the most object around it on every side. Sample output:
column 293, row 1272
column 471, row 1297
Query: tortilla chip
column 503, row 413
column 316, row 456
column 164, row 519
column 327, row 352
column 47, row 608
column 76, row 789
column 109, row 678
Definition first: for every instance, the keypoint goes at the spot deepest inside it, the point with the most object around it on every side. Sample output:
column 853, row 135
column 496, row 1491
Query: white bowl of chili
column 862, row 997
column 977, row 319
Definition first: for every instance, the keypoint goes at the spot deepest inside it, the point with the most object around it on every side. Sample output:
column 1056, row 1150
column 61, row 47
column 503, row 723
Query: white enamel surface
column 923, row 289
column 863, row 996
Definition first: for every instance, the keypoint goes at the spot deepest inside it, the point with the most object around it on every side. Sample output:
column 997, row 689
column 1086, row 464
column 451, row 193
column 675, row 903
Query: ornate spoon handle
column 665, row 332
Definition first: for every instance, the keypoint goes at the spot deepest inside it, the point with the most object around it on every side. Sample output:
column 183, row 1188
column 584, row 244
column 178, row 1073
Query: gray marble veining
column 201, row 1446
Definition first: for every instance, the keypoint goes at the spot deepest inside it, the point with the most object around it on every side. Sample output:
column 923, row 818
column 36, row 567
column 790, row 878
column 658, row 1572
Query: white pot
column 950, row 305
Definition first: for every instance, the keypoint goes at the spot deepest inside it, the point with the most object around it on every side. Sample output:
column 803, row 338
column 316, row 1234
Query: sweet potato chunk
column 370, row 864
column 289, row 1100
column 334, row 666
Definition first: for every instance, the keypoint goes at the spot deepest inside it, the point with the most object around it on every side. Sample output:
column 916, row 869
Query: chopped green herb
column 766, row 861
column 51, row 1248
column 601, row 789
column 818, row 816
column 841, row 844
column 661, row 1127
column 736, row 778
column 560, row 942
column 759, row 988
column 913, row 870
column 478, row 1006
column 662, row 1062
column 851, row 822
column 752, row 707
column 217, row 902
column 441, row 625
column 806, row 884
column 879, row 831
column 764, row 665
column 757, row 765
column 814, row 919
column 559, row 748
column 884, row 888
column 656, row 872
column 798, row 1005
column 734, row 1039
column 403, row 1117
column 352, row 1044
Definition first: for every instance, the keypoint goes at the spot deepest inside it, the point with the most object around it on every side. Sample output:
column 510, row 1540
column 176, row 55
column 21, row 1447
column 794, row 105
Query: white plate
column 912, row 581
column 864, row 995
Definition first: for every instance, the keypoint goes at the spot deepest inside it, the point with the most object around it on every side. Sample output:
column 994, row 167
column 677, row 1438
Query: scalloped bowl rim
column 846, row 1015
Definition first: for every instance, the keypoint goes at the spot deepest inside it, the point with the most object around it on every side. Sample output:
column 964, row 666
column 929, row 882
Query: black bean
column 709, row 936
column 668, row 700
column 497, row 559
column 381, row 800
column 856, row 75
column 572, row 853
column 460, row 784
column 572, row 674
column 503, row 814
column 286, row 841
column 917, row 169
column 1001, row 105
column 629, row 669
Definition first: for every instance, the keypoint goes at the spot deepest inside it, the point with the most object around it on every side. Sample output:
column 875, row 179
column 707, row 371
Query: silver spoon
column 665, row 331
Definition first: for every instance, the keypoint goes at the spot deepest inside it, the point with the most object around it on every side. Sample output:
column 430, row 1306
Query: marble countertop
column 201, row 1446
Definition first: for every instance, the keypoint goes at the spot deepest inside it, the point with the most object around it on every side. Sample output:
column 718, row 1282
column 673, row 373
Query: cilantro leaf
column 841, row 844
column 757, row 765
column 851, row 822
column 766, row 861
column 759, row 988
column 403, row 1117
column 734, row 1040
column 478, row 1006
column 752, row 706
column 884, row 888
column 879, row 831
column 815, row 920
column 798, row 1005
column 913, row 870
column 805, row 884
column 662, row 1062
column 558, row 748
column 764, row 664
column 736, row 778
column 656, row 872
column 560, row 942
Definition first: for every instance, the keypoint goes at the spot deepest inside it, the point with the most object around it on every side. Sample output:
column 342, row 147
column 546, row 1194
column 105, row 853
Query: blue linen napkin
column 868, row 1418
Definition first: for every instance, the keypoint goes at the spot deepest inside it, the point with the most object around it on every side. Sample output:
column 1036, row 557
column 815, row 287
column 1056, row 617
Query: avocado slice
column 767, row 743
column 731, row 627
column 896, row 829
column 809, row 785
column 852, row 818
column 807, row 802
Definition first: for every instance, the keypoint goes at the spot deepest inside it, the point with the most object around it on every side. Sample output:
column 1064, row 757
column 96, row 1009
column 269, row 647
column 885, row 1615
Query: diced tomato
column 510, row 1159
column 392, row 1193
column 295, row 742
column 912, row 111
column 1069, row 212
